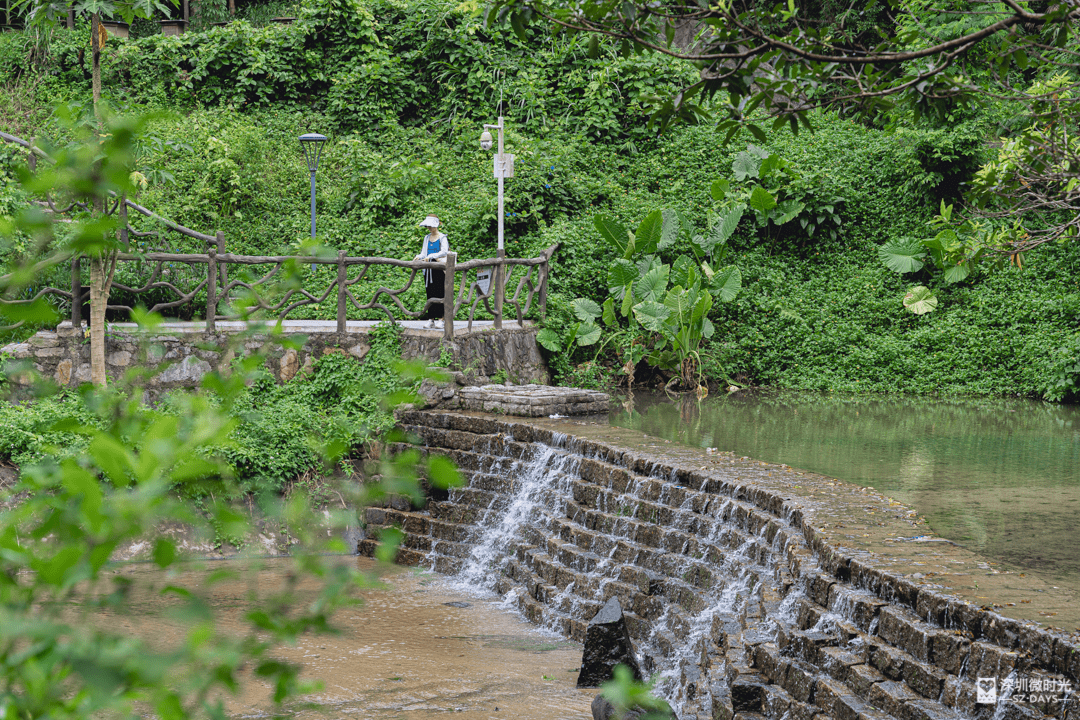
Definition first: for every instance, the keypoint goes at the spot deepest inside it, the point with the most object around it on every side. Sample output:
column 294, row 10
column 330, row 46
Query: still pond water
column 999, row 477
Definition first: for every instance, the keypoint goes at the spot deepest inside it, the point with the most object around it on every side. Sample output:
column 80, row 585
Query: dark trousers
column 435, row 282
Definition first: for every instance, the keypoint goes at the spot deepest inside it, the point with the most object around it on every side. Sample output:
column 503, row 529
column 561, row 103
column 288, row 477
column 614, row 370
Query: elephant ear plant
column 658, row 311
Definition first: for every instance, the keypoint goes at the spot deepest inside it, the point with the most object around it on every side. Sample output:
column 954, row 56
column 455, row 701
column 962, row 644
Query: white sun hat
column 430, row 221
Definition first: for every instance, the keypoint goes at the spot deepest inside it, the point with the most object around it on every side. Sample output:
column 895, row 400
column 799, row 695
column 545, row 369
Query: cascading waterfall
column 548, row 474
column 546, row 469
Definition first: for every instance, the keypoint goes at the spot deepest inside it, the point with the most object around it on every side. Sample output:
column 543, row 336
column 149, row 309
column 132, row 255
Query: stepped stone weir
column 533, row 400
column 731, row 588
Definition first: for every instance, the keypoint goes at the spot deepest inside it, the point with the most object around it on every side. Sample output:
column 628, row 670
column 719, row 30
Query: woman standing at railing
column 435, row 248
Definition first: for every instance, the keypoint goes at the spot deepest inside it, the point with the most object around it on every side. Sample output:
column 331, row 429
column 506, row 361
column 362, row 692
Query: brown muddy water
column 417, row 647
column 998, row 477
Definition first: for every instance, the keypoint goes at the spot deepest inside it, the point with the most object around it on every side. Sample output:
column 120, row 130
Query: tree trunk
column 95, row 56
column 101, row 277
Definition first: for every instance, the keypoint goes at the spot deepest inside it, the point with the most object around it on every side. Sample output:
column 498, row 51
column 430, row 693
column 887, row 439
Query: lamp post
column 312, row 144
column 504, row 168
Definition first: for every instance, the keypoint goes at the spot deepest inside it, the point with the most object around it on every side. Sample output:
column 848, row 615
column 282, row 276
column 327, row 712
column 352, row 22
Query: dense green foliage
column 341, row 403
column 818, row 308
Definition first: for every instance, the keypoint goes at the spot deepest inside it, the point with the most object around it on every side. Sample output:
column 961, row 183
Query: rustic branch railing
column 182, row 278
column 246, row 296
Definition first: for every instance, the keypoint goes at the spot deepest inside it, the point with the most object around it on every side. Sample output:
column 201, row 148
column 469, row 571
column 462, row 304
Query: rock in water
column 607, row 644
column 604, row 710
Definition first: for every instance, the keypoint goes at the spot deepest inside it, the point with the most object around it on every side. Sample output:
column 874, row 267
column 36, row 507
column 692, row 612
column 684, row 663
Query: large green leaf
column 720, row 189
column 745, row 166
column 649, row 233
column 701, row 308
column 646, row 264
column 950, row 241
column 920, row 300
column 678, row 301
column 684, row 271
column 651, row 315
column 609, row 313
column 707, row 328
column 653, row 285
column 762, row 200
column 670, row 231
column 902, row 256
column 627, row 302
column 937, row 251
column 614, row 233
column 958, row 272
column 770, row 164
column 586, row 310
column 722, row 230
column 621, row 274
column 549, row 340
column 727, row 224
column 727, row 283
column 787, row 211
column 588, row 334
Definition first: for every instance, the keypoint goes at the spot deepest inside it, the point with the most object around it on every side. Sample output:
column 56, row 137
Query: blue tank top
column 433, row 246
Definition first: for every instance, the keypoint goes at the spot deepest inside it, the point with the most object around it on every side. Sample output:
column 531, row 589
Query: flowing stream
column 417, row 647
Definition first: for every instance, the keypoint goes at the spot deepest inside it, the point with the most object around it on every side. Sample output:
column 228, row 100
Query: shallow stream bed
column 418, row 647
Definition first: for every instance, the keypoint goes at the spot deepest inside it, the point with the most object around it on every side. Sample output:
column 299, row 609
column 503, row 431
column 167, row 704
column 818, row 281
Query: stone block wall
column 182, row 358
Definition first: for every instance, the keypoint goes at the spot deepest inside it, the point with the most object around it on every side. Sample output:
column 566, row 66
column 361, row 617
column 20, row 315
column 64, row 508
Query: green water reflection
column 999, row 477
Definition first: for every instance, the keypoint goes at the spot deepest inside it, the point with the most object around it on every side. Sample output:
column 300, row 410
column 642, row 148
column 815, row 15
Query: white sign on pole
column 483, row 280
column 504, row 165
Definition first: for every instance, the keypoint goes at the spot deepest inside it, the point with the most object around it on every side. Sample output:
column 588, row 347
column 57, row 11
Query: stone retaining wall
column 728, row 586
column 182, row 358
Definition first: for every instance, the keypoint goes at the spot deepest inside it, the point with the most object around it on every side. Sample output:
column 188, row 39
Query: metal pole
column 313, row 210
column 500, row 253
column 501, row 213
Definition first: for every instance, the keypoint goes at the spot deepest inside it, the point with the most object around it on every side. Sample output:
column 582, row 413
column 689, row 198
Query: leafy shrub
column 14, row 56
column 338, row 403
column 372, row 93
column 28, row 434
column 1064, row 377
column 278, row 427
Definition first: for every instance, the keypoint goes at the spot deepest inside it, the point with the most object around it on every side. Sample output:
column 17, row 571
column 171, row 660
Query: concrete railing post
column 342, row 289
column 211, row 289
column 76, row 291
column 448, row 297
column 223, row 268
column 500, row 287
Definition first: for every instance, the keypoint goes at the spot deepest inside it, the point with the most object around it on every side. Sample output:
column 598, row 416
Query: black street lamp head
column 312, row 144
